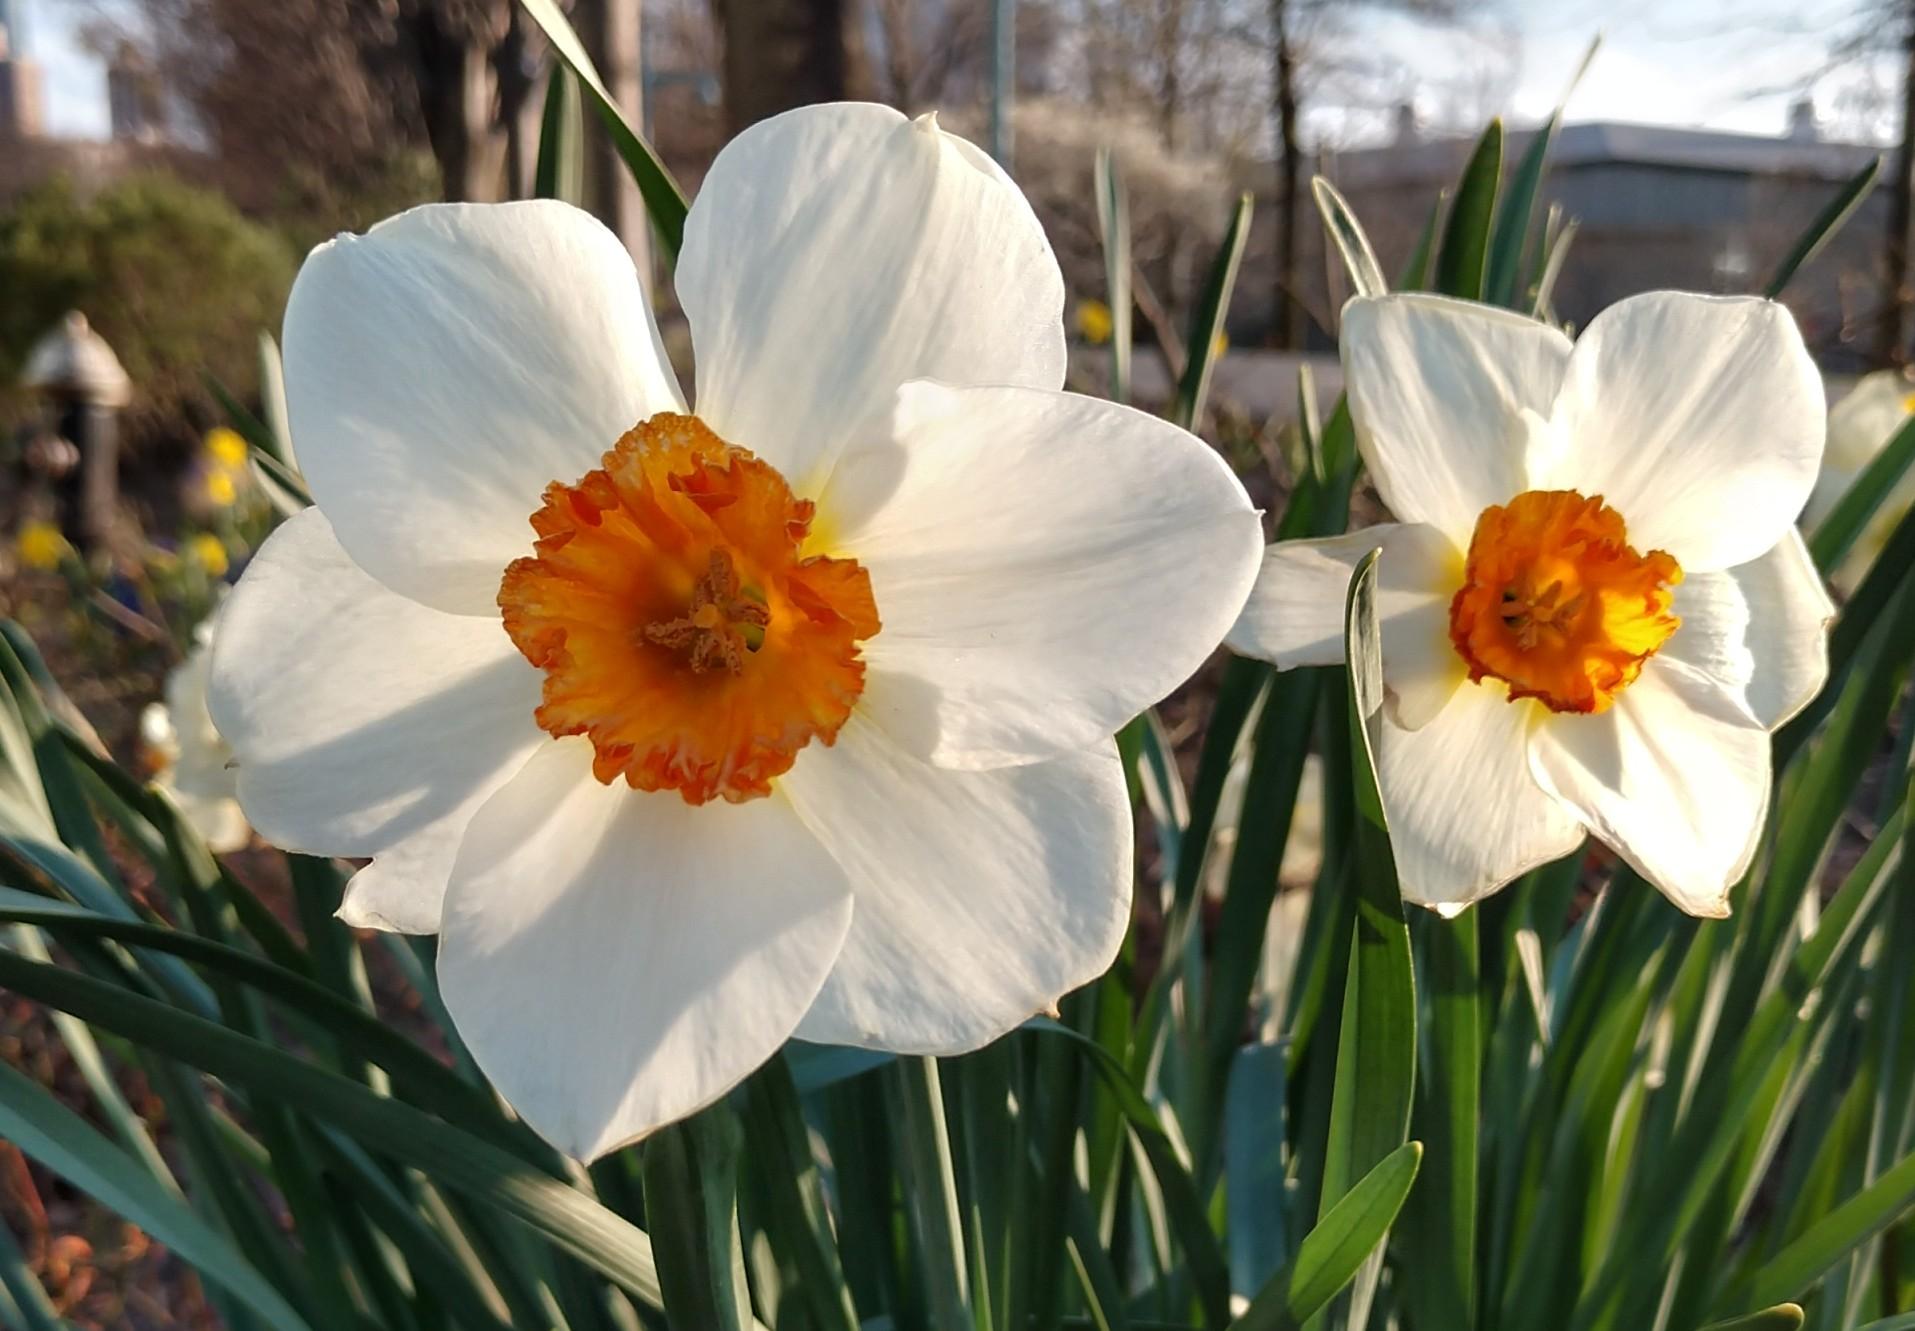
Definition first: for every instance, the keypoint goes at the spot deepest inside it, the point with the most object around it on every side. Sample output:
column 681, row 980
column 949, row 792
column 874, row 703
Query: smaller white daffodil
column 185, row 757
column 1860, row 426
column 1594, row 605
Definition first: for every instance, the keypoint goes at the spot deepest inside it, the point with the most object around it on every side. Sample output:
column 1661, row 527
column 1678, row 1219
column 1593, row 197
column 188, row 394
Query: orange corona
column 1557, row 604
column 679, row 625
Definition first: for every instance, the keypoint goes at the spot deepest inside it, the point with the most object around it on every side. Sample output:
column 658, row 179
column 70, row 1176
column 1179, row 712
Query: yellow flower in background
column 219, row 489
column 1094, row 321
column 1219, row 344
column 209, row 552
column 226, row 447
column 40, row 545
column 1860, row 426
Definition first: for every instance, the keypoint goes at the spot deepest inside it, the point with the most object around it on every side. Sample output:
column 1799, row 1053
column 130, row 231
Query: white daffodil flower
column 791, row 716
column 1860, row 426
column 1594, row 604
column 185, row 756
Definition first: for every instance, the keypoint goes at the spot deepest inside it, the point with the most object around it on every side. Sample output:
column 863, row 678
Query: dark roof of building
column 1609, row 142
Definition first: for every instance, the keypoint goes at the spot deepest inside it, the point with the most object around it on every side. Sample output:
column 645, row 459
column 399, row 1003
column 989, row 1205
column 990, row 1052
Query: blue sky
column 1679, row 62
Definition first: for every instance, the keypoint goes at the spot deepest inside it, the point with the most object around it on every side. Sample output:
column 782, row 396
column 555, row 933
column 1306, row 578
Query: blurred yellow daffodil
column 226, row 447
column 209, row 552
column 40, row 545
column 219, row 489
column 1094, row 321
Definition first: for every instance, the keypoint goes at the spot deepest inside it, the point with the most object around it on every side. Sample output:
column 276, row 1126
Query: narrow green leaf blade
column 1837, row 533
column 59, row 1139
column 1347, row 234
column 1332, row 1253
column 664, row 200
column 1206, row 325
column 1782, row 1317
column 1834, row 214
column 1461, row 257
column 1859, row 1219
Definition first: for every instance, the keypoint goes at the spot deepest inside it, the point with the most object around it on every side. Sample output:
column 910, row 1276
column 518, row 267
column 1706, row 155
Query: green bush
column 172, row 276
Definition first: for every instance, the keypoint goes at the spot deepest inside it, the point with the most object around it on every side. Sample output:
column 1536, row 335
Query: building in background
column 22, row 97
column 1655, row 207
column 136, row 97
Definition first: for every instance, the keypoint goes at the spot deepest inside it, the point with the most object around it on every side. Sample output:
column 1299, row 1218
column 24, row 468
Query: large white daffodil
column 1860, row 426
column 1594, row 605
column 788, row 717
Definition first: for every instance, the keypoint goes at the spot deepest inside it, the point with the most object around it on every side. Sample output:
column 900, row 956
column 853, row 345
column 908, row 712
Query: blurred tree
column 172, row 276
column 1300, row 32
column 611, row 32
column 784, row 53
column 311, row 106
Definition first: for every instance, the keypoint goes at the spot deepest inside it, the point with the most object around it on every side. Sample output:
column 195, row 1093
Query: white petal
column 1465, row 816
column 445, row 367
column 835, row 252
column 1673, row 778
column 1866, row 418
column 1759, row 631
column 1698, row 418
column 616, row 960
column 1045, row 565
column 1438, row 389
column 982, row 897
column 363, row 722
column 1294, row 616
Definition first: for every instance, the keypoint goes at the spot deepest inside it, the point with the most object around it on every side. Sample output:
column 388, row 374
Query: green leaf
column 1376, row 1049
column 1465, row 247
column 1359, row 257
column 559, row 172
column 929, row 1180
column 691, row 1202
column 1441, row 1283
column 664, row 200
column 1184, row 1207
column 1254, row 1165
column 778, row 1150
column 1782, row 1317
column 52, row 1134
column 1113, row 228
column 1557, row 252
column 1834, row 214
column 1206, row 324
column 1330, row 1256
column 1797, row 1267
column 23, row 1299
column 1837, row 533
column 465, row 1163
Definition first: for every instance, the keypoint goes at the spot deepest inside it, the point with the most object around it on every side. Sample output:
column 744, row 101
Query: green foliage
column 170, row 275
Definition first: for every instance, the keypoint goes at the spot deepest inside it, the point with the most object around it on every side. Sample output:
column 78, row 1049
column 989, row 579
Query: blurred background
column 165, row 164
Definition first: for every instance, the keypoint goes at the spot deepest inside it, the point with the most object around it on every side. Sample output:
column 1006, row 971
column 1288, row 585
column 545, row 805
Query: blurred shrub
column 175, row 279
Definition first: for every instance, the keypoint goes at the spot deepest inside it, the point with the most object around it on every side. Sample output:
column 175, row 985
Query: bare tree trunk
column 1892, row 322
column 780, row 54
column 458, row 96
column 894, row 22
column 1170, row 43
column 1289, row 205
column 516, row 81
column 611, row 32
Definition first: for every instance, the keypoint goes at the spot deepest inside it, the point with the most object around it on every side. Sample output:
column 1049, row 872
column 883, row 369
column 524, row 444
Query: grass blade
column 1461, row 257
column 1206, row 325
column 1332, row 1253
column 691, row 1203
column 1359, row 256
column 664, row 200
column 1834, row 214
column 1113, row 228
column 55, row 1136
column 1837, row 533
column 1797, row 1267
column 559, row 172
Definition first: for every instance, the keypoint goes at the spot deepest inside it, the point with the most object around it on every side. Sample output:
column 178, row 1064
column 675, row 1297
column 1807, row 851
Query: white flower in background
column 726, row 745
column 1860, row 426
column 1594, row 605
column 185, row 756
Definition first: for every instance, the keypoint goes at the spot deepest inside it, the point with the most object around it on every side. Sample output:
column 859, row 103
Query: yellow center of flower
column 679, row 625
column 1557, row 604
